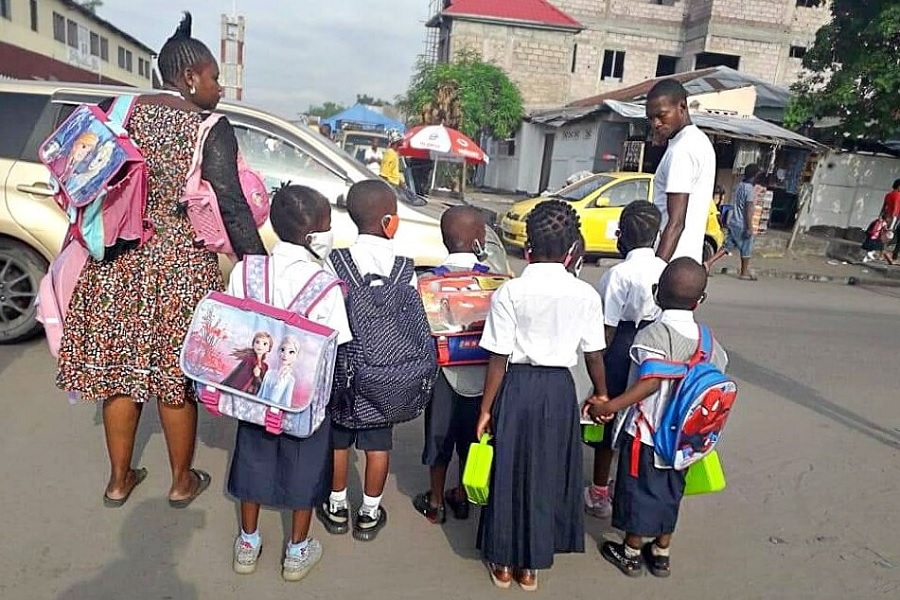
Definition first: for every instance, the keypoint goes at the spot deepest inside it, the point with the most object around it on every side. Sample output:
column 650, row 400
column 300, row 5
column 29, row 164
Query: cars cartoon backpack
column 202, row 205
column 386, row 373
column 261, row 364
column 699, row 406
column 100, row 177
column 456, row 305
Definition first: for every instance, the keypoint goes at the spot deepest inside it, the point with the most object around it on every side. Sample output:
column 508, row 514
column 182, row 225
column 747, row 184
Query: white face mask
column 320, row 243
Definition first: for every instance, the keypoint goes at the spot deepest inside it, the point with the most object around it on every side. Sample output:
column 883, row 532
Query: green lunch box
column 705, row 476
column 592, row 433
column 477, row 474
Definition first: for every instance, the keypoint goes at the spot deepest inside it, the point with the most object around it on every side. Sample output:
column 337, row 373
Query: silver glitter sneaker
column 297, row 565
column 245, row 556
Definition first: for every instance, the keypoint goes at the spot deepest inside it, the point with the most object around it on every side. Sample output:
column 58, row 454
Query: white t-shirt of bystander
column 687, row 167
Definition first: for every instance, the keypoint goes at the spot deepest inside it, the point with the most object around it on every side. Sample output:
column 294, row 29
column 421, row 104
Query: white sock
column 338, row 500
column 657, row 551
column 631, row 552
column 370, row 505
column 295, row 549
column 251, row 538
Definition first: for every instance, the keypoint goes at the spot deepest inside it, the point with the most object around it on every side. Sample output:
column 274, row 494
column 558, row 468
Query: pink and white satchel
column 258, row 363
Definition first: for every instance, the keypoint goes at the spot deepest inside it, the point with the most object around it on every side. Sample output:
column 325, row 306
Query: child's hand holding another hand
column 598, row 409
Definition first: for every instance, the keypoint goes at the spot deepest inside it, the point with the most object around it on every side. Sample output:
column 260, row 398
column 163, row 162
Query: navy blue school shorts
column 379, row 439
column 450, row 423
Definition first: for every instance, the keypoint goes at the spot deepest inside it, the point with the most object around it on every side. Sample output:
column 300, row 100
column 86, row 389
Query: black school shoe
column 366, row 528
column 658, row 566
column 615, row 554
column 435, row 514
column 459, row 508
column 335, row 523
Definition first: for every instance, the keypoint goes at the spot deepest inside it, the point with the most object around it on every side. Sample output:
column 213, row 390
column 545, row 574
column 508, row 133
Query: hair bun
column 184, row 28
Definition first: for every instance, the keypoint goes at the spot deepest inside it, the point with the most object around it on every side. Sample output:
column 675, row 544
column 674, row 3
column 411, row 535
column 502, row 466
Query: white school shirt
column 627, row 288
column 652, row 407
column 372, row 254
column 687, row 167
column 544, row 317
column 291, row 267
column 466, row 380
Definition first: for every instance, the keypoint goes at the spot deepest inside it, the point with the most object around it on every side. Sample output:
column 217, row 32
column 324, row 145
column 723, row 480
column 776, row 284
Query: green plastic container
column 592, row 433
column 705, row 476
column 477, row 474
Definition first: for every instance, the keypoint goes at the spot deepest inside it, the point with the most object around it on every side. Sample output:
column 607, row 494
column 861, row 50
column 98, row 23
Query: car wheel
column 709, row 248
column 21, row 270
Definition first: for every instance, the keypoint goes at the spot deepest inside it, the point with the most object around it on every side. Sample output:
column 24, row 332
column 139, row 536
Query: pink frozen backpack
column 200, row 200
column 56, row 290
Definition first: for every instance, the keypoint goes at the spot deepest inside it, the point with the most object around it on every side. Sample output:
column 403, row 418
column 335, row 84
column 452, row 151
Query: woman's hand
column 484, row 425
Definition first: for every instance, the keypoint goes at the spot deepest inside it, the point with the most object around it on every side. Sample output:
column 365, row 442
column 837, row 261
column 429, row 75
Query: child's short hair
column 639, row 225
column 296, row 209
column 552, row 227
column 369, row 200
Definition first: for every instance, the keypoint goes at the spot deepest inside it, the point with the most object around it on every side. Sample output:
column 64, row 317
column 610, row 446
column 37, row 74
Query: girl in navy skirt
column 628, row 306
column 534, row 329
column 282, row 471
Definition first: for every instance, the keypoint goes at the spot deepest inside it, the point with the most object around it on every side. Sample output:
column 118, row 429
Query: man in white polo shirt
column 684, row 180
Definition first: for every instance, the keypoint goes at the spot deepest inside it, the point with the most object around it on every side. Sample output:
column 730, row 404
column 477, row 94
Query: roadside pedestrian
column 628, row 307
column 452, row 415
column 878, row 235
column 648, row 494
column 891, row 212
column 325, row 131
column 685, row 178
column 128, row 315
column 282, row 471
column 739, row 227
column 390, row 161
column 373, row 157
column 536, row 325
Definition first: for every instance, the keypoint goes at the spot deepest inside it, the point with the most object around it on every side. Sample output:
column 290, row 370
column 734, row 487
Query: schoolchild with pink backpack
column 272, row 468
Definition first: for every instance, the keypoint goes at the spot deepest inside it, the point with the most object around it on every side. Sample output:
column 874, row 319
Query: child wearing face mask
column 282, row 471
column 628, row 307
column 372, row 205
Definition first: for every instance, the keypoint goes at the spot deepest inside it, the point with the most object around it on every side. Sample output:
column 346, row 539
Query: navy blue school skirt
column 648, row 504
column 534, row 507
column 281, row 471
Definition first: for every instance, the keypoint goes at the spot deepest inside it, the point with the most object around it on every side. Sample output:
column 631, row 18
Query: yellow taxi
column 599, row 200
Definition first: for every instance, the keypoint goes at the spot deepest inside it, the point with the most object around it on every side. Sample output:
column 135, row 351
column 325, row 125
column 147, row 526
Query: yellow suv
column 32, row 227
column 599, row 200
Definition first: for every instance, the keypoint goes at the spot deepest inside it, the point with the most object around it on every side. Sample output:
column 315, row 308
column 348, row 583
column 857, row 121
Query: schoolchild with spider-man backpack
column 677, row 405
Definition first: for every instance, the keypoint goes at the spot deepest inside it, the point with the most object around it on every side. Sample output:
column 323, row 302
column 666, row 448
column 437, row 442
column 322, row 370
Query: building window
column 663, row 2
column 95, row 44
column 125, row 59
column 71, row 33
column 574, row 57
column 4, row 9
column 34, row 15
column 104, row 49
column 798, row 51
column 59, row 28
column 613, row 65
column 706, row 60
column 666, row 65
column 809, row 3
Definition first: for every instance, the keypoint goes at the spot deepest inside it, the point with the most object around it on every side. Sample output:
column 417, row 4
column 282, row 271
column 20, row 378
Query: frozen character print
column 82, row 147
column 83, row 182
column 248, row 375
column 278, row 385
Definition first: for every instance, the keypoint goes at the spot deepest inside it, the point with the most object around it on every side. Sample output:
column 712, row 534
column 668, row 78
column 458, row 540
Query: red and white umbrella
column 437, row 142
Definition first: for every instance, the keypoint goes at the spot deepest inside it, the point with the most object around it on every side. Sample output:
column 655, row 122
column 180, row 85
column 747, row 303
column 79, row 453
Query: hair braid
column 638, row 225
column 552, row 227
column 181, row 52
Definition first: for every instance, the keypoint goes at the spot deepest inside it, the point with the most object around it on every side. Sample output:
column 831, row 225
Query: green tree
column 468, row 94
column 92, row 5
column 854, row 71
column 371, row 100
column 325, row 110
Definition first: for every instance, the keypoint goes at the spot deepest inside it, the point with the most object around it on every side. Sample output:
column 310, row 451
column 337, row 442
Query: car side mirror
column 601, row 202
column 341, row 201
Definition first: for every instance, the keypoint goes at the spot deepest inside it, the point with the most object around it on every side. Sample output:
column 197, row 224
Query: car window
column 280, row 161
column 582, row 189
column 627, row 192
column 19, row 116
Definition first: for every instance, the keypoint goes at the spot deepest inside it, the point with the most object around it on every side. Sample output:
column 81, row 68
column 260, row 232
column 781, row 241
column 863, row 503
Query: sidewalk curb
column 814, row 278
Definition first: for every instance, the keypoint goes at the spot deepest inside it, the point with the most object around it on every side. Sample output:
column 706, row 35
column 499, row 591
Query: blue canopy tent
column 363, row 117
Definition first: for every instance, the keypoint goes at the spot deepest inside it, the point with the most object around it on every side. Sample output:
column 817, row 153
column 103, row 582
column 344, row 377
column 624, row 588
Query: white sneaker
column 297, row 565
column 597, row 505
column 245, row 556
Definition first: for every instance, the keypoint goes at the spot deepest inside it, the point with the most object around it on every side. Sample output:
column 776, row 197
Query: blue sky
column 294, row 55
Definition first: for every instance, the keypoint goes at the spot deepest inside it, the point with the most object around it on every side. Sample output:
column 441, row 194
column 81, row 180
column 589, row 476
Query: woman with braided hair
column 536, row 325
column 129, row 313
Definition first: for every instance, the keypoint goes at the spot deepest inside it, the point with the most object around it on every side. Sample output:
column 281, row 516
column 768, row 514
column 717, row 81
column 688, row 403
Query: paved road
column 810, row 511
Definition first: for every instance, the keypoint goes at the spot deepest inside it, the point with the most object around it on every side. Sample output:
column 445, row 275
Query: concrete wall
column 741, row 101
column 849, row 189
column 573, row 150
column 17, row 32
column 521, row 172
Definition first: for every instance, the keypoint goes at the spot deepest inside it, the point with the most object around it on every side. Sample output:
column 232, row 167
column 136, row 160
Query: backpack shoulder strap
column 202, row 133
column 704, row 346
column 345, row 268
column 119, row 113
column 403, row 270
column 312, row 292
column 440, row 271
column 256, row 278
column 480, row 268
